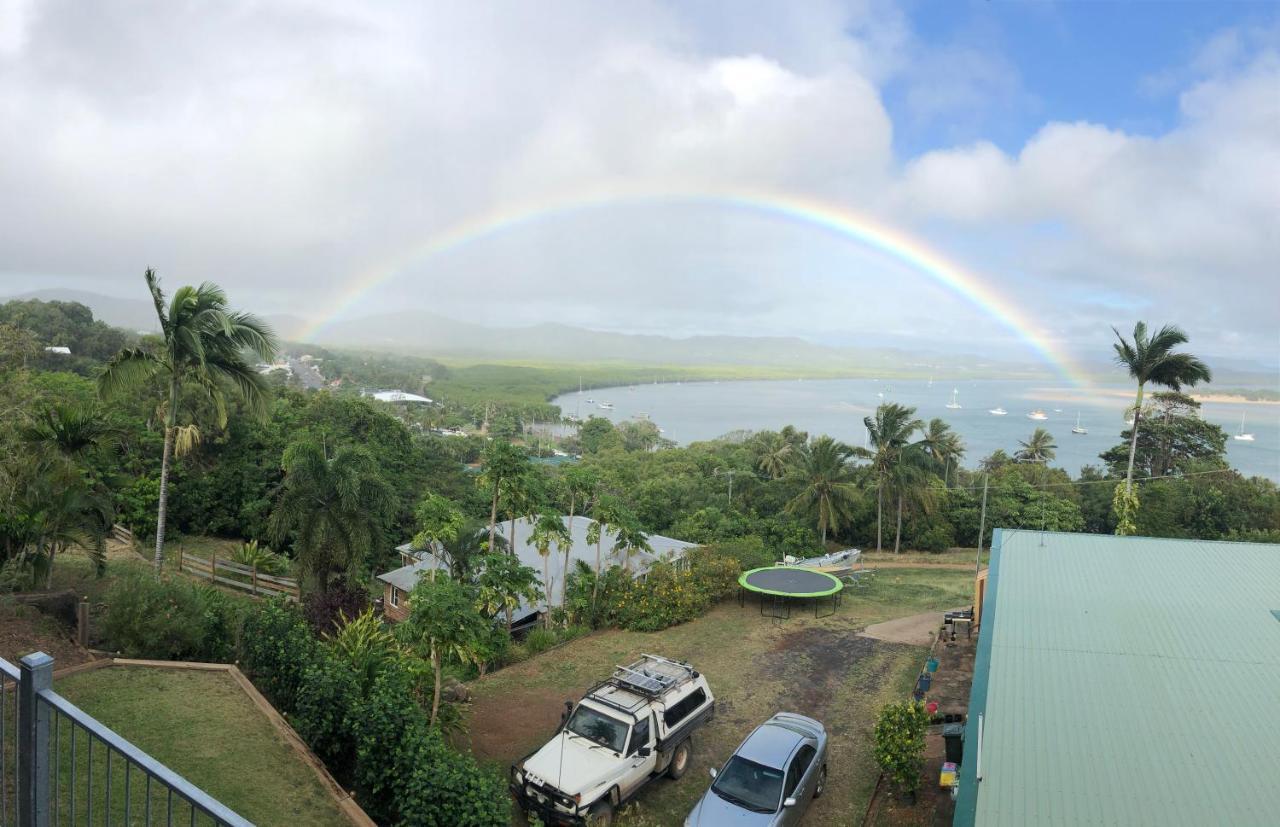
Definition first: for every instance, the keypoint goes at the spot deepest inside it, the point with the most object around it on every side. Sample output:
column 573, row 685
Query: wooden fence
column 233, row 575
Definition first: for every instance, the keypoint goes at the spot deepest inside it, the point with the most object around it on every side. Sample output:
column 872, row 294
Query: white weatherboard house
column 398, row 583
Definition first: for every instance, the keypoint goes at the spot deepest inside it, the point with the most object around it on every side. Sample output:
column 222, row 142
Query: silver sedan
column 770, row 779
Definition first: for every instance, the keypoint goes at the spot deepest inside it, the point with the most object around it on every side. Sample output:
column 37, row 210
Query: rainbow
column 805, row 211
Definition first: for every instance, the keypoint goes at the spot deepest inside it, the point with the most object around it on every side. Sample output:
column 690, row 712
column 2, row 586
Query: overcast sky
column 1093, row 162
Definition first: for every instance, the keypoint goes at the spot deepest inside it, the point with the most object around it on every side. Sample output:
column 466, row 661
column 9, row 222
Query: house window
column 395, row 597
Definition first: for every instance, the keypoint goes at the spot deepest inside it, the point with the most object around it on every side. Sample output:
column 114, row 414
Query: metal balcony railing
column 59, row 765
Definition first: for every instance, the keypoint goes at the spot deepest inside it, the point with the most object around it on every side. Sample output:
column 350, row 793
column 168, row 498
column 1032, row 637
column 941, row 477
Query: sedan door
column 802, row 774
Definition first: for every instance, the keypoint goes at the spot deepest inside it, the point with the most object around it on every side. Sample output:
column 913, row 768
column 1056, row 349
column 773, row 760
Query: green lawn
column 755, row 667
column 204, row 727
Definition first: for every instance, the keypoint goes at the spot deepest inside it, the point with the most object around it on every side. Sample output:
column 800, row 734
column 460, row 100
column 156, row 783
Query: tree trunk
column 1133, row 440
column 48, row 575
column 879, row 517
column 564, row 573
column 546, row 587
column 897, row 538
column 493, row 518
column 513, row 535
column 435, row 692
column 595, row 586
column 170, row 421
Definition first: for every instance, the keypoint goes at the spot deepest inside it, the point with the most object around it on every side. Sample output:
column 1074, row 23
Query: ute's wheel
column 601, row 814
column 822, row 782
column 679, row 761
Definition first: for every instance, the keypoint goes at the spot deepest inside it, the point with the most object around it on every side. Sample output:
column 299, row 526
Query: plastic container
column 953, row 738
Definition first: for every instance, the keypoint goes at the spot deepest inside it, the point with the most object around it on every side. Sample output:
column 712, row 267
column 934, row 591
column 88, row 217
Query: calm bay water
column 693, row 411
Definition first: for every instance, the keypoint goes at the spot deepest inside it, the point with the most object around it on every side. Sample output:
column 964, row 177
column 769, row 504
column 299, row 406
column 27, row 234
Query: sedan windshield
column 598, row 727
column 749, row 785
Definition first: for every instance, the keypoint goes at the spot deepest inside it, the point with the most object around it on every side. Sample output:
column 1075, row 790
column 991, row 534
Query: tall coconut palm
column 1040, row 447
column 943, row 446
column 889, row 432
column 910, row 480
column 1152, row 360
column 204, row 343
column 335, row 508
column 608, row 513
column 502, row 463
column 549, row 528
column 774, row 454
column 824, row 469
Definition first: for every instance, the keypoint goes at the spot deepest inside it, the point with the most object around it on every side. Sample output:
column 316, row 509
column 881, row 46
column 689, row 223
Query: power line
column 1096, row 482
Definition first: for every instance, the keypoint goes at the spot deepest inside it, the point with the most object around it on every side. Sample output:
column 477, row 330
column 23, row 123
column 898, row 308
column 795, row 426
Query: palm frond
column 128, row 369
column 157, row 298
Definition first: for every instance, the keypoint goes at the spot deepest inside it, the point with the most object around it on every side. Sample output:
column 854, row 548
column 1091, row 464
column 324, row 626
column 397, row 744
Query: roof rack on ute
column 652, row 676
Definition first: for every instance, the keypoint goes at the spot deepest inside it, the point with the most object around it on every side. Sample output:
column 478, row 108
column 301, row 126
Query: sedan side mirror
column 713, row 772
column 790, row 802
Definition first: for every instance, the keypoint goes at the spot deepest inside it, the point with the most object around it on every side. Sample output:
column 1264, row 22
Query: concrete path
column 916, row 629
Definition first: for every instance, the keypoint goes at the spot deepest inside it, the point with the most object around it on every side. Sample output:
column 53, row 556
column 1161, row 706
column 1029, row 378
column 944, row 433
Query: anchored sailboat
column 953, row 404
column 1079, row 429
column 1242, row 436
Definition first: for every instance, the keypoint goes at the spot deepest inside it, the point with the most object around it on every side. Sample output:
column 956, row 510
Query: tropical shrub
column 260, row 557
column 171, row 620
column 667, row 595
column 327, row 693
column 276, row 650
column 366, row 646
column 540, row 640
column 406, row 774
column 900, row 741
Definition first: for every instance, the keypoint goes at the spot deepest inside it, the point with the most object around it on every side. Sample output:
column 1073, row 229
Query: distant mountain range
column 425, row 334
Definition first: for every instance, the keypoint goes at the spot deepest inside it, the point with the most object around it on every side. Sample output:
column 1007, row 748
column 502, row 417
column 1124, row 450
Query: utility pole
column 728, row 473
column 982, row 526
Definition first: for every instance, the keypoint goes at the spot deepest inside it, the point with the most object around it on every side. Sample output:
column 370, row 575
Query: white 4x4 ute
column 625, row 731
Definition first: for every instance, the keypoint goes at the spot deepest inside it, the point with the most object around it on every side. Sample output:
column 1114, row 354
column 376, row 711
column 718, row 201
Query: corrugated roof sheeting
column 1132, row 681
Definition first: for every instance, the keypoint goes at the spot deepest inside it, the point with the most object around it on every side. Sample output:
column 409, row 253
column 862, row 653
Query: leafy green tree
column 522, row 496
column 466, row 547
column 439, row 521
column 70, row 429
column 502, row 463
column 825, row 470
column 1125, row 507
column 609, row 512
column 1039, row 447
column 549, row 528
column 1152, row 360
column 598, row 434
column 628, row 538
column 998, row 459
column 18, row 346
column 889, row 432
column 335, row 508
column 444, row 621
column 900, row 732
column 1174, row 438
column 204, row 343
column 502, row 582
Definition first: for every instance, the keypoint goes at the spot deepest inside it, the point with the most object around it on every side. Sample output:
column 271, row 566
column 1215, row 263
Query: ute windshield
column 598, row 727
column 749, row 785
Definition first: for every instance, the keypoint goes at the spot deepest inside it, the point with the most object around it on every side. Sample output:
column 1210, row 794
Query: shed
column 1125, row 680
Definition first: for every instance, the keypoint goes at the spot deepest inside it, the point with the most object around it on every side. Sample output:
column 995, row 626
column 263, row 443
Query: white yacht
column 1038, row 415
column 1242, row 436
column 605, row 406
column 953, row 404
column 998, row 411
column 1079, row 429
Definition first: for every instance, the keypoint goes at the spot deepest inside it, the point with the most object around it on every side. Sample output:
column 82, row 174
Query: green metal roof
column 1125, row 681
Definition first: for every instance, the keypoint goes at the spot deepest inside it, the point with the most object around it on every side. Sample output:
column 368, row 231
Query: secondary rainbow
column 808, row 212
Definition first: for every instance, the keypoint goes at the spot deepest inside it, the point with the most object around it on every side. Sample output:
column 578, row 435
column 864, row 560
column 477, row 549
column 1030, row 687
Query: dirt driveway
column 823, row 668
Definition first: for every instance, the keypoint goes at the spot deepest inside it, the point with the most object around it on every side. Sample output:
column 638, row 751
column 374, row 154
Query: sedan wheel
column 822, row 782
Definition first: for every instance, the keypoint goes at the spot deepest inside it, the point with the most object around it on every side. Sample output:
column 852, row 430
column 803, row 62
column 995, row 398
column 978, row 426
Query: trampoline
column 778, row 585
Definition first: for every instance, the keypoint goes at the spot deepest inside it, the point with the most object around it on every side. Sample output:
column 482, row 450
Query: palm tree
column 522, row 496
column 438, row 520
column 910, row 481
column 335, row 508
column 1039, row 448
column 580, row 484
column 547, row 529
column 829, row 489
column 71, row 430
column 502, row 463
column 55, row 509
column 889, row 432
column 628, row 538
column 204, row 345
column 773, row 454
column 943, row 446
column 464, row 548
column 1152, row 360
column 608, row 513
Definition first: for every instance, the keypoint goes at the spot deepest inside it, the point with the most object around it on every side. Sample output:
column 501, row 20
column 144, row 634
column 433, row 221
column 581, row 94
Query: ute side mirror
column 644, row 752
column 568, row 710
column 713, row 772
column 790, row 802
